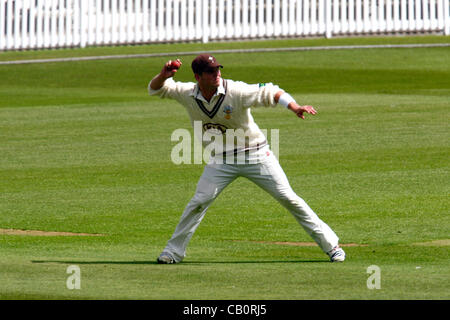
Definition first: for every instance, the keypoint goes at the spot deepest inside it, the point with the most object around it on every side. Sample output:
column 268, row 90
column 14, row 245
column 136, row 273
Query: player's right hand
column 169, row 69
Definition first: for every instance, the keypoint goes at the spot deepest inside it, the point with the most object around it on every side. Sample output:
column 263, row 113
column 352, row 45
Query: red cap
column 204, row 62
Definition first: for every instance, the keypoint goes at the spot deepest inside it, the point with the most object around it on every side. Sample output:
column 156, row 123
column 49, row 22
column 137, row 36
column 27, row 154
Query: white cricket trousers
column 268, row 175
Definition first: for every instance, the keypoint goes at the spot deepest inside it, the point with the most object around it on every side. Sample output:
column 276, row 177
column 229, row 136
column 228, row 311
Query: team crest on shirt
column 228, row 110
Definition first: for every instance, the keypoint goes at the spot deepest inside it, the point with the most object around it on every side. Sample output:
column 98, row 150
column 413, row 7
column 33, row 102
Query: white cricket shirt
column 226, row 119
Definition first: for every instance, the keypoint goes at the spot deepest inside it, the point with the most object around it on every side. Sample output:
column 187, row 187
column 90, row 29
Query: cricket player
column 224, row 105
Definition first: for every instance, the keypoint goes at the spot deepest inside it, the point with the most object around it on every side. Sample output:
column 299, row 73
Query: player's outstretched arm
column 287, row 101
column 168, row 71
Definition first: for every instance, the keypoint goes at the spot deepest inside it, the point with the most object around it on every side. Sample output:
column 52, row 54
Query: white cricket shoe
column 165, row 258
column 337, row 254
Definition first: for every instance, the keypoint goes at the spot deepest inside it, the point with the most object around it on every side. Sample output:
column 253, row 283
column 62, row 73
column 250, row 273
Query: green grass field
column 84, row 149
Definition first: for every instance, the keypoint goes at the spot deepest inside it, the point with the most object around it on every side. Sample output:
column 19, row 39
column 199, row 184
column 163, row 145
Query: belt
column 250, row 148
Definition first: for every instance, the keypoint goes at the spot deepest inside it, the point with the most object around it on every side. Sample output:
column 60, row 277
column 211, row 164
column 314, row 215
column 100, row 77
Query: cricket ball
column 175, row 64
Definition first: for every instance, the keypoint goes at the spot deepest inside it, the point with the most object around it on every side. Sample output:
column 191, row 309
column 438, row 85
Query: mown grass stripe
column 256, row 50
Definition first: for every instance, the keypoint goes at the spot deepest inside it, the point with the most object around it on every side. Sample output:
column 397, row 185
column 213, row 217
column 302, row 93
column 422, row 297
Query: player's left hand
column 300, row 110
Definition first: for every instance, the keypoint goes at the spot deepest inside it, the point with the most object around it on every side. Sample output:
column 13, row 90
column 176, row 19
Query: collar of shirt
column 198, row 95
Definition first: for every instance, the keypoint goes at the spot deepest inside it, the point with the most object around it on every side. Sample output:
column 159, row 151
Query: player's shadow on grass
column 193, row 262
